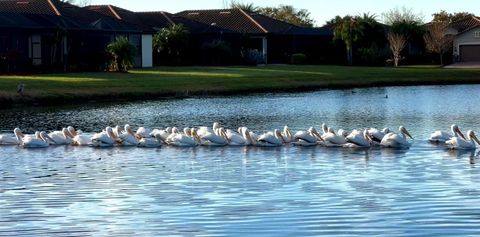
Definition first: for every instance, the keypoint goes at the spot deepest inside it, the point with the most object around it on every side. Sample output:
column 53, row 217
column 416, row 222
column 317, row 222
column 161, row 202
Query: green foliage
column 349, row 31
column 298, row 59
column 288, row 14
column 251, row 57
column 244, row 6
column 446, row 17
column 217, row 52
column 122, row 54
column 171, row 43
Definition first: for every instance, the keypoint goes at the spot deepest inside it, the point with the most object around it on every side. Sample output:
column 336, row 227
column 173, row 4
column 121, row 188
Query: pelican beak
column 408, row 134
column 319, row 137
column 474, row 137
column 460, row 133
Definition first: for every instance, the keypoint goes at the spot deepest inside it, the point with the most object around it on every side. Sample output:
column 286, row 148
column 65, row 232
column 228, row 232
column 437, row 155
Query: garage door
column 470, row 53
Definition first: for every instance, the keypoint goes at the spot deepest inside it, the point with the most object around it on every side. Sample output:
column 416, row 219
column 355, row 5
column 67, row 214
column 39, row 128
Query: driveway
column 464, row 65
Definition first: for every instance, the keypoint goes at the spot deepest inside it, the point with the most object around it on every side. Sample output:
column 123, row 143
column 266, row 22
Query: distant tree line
column 366, row 39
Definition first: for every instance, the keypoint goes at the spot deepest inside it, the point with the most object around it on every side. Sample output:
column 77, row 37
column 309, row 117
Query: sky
column 321, row 10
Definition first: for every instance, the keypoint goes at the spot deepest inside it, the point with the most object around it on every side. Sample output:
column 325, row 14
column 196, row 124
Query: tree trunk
column 349, row 56
column 441, row 59
column 396, row 59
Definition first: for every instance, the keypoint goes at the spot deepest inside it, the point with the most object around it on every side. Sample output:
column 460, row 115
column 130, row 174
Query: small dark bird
column 386, row 96
column 20, row 88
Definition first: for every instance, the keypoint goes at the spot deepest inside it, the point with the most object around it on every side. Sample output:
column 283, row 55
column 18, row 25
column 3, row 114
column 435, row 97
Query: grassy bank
column 188, row 81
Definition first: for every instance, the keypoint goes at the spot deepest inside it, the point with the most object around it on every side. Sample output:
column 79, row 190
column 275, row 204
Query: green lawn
column 180, row 81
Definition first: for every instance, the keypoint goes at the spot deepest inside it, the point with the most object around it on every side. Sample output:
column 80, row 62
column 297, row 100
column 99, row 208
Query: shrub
column 218, row 52
column 298, row 58
column 251, row 57
column 122, row 54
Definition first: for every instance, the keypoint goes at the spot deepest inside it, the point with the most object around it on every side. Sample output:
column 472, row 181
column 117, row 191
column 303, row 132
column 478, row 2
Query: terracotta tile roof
column 46, row 7
column 466, row 24
column 226, row 19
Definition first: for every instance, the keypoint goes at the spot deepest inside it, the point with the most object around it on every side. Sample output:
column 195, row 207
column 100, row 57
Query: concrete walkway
column 464, row 65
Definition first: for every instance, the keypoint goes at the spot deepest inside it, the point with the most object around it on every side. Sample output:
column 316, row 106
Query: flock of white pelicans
column 219, row 136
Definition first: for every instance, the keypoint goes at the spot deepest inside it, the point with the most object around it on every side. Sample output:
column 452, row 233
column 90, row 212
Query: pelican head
column 342, row 132
column 279, row 135
column 187, row 131
column 315, row 133
column 472, row 136
column 456, row 130
column 72, row 131
column 175, row 130
column 67, row 133
column 44, row 136
column 404, row 131
column 386, row 130
column 215, row 126
column 324, row 128
column 168, row 130
column 330, row 130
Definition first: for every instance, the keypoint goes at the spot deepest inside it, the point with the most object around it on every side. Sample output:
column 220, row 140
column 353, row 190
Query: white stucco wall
column 147, row 50
column 465, row 38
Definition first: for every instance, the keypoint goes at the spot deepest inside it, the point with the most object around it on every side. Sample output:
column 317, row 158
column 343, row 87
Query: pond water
column 239, row 191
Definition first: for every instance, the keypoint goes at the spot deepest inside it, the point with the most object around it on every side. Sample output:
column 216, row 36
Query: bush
column 218, row 52
column 251, row 57
column 122, row 54
column 298, row 58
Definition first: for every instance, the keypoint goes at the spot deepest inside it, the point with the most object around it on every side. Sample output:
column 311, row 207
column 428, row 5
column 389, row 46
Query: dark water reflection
column 237, row 191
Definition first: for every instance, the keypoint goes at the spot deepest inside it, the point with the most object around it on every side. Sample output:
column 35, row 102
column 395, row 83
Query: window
column 35, row 49
column 477, row 34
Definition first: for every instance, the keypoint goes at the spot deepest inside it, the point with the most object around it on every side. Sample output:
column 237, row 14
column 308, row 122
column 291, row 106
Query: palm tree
column 250, row 7
column 123, row 53
column 348, row 30
column 172, row 41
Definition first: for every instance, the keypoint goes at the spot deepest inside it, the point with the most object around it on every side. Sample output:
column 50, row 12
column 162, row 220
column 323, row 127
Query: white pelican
column 377, row 135
column 164, row 133
column 287, row 135
column 142, row 132
column 151, row 142
column 219, row 138
column 41, row 140
column 204, row 130
column 63, row 137
column 395, row 140
column 235, row 138
column 271, row 139
column 9, row 139
column 463, row 144
column 182, row 140
column 73, row 131
column 358, row 139
column 127, row 137
column 104, row 139
column 331, row 139
column 442, row 137
column 307, row 138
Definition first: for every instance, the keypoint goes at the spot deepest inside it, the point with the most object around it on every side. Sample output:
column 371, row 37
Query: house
column 276, row 40
column 53, row 35
column 466, row 44
column 148, row 22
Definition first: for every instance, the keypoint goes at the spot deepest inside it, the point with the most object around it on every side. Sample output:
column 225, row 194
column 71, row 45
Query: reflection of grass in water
column 188, row 80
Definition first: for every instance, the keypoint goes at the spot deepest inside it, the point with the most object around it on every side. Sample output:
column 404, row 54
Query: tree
column 288, row 14
column 172, row 42
column 397, row 43
column 403, row 21
column 123, row 53
column 444, row 16
column 250, row 7
column 347, row 30
column 437, row 40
